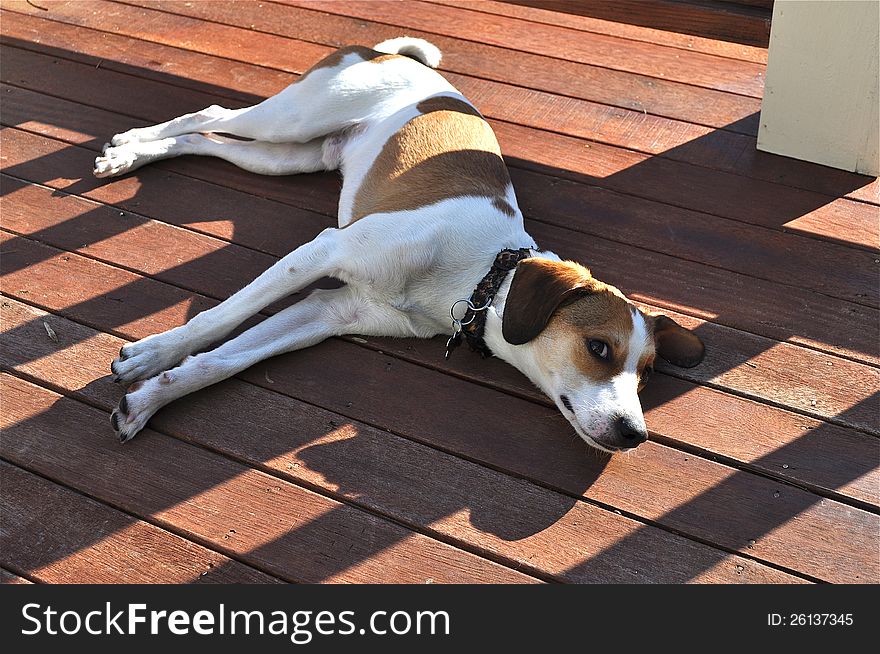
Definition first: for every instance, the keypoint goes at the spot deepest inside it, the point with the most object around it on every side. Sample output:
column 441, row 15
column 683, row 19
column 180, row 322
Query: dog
column 430, row 241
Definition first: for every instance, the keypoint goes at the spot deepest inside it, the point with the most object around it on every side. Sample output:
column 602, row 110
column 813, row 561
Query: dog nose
column 629, row 432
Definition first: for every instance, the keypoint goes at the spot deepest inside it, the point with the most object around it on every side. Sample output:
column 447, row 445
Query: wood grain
column 7, row 577
column 725, row 21
column 611, row 28
column 774, row 311
column 748, row 364
column 264, row 521
column 59, row 536
column 827, row 462
column 541, row 452
column 660, row 97
column 526, row 526
column 681, row 141
column 784, row 257
column 649, row 59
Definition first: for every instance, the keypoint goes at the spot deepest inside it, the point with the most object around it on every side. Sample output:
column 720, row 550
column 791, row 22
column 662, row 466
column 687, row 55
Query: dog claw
column 125, row 423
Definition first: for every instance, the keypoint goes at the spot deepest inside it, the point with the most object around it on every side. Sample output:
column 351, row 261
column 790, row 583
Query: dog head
column 590, row 349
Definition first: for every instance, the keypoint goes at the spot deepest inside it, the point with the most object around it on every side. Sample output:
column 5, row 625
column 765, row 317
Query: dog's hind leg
column 255, row 156
column 319, row 316
column 346, row 88
column 310, row 262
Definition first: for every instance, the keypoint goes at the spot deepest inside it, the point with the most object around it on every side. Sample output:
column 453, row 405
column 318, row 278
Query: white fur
column 402, row 272
column 597, row 405
column 428, row 53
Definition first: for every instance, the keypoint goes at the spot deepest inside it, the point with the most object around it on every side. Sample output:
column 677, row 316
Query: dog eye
column 599, row 349
column 646, row 374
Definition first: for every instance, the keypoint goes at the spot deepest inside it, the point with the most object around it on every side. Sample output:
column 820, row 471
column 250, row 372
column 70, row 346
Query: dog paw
column 131, row 136
column 115, row 161
column 133, row 411
column 148, row 357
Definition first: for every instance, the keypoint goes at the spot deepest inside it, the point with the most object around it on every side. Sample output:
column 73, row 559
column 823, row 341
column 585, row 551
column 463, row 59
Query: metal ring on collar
column 471, row 307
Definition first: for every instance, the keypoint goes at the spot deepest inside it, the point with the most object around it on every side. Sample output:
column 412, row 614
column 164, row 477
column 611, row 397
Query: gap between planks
column 790, row 181
column 739, row 327
column 378, row 11
column 224, row 289
column 608, row 509
column 256, row 374
column 686, row 42
column 215, row 567
column 219, row 462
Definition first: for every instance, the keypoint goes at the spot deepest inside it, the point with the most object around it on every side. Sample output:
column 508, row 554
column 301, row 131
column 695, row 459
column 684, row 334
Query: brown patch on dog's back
column 446, row 103
column 447, row 151
column 334, row 59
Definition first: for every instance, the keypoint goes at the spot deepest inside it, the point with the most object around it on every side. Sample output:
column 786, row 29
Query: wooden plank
column 677, row 185
column 655, row 96
column 774, row 311
column 720, row 149
column 829, row 268
column 149, row 60
column 702, row 499
column 713, row 20
column 686, row 227
column 748, row 364
column 734, row 509
column 290, row 226
column 7, row 577
column 790, row 446
column 767, row 375
column 194, row 262
column 697, row 69
column 733, row 355
column 613, row 28
column 523, row 524
column 83, row 541
column 265, row 521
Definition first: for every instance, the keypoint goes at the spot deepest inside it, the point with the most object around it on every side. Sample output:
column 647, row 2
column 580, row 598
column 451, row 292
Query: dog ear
column 679, row 346
column 538, row 288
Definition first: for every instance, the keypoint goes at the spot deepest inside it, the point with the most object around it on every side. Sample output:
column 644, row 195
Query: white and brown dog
column 427, row 211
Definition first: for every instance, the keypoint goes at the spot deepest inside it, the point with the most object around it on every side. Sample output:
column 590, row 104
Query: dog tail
column 419, row 49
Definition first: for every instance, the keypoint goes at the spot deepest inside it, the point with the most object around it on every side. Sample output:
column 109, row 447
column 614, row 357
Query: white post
column 821, row 94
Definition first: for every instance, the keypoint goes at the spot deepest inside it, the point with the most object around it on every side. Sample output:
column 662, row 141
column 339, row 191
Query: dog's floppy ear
column 679, row 346
column 538, row 288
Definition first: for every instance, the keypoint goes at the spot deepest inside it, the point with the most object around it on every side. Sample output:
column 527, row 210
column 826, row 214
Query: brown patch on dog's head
column 447, row 151
column 589, row 348
column 600, row 316
column 564, row 307
column 539, row 288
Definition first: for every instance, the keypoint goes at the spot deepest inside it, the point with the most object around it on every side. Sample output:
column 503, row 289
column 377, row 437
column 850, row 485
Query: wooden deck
column 374, row 460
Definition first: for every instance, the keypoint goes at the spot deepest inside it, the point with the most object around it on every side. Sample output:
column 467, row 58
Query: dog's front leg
column 153, row 354
column 323, row 314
